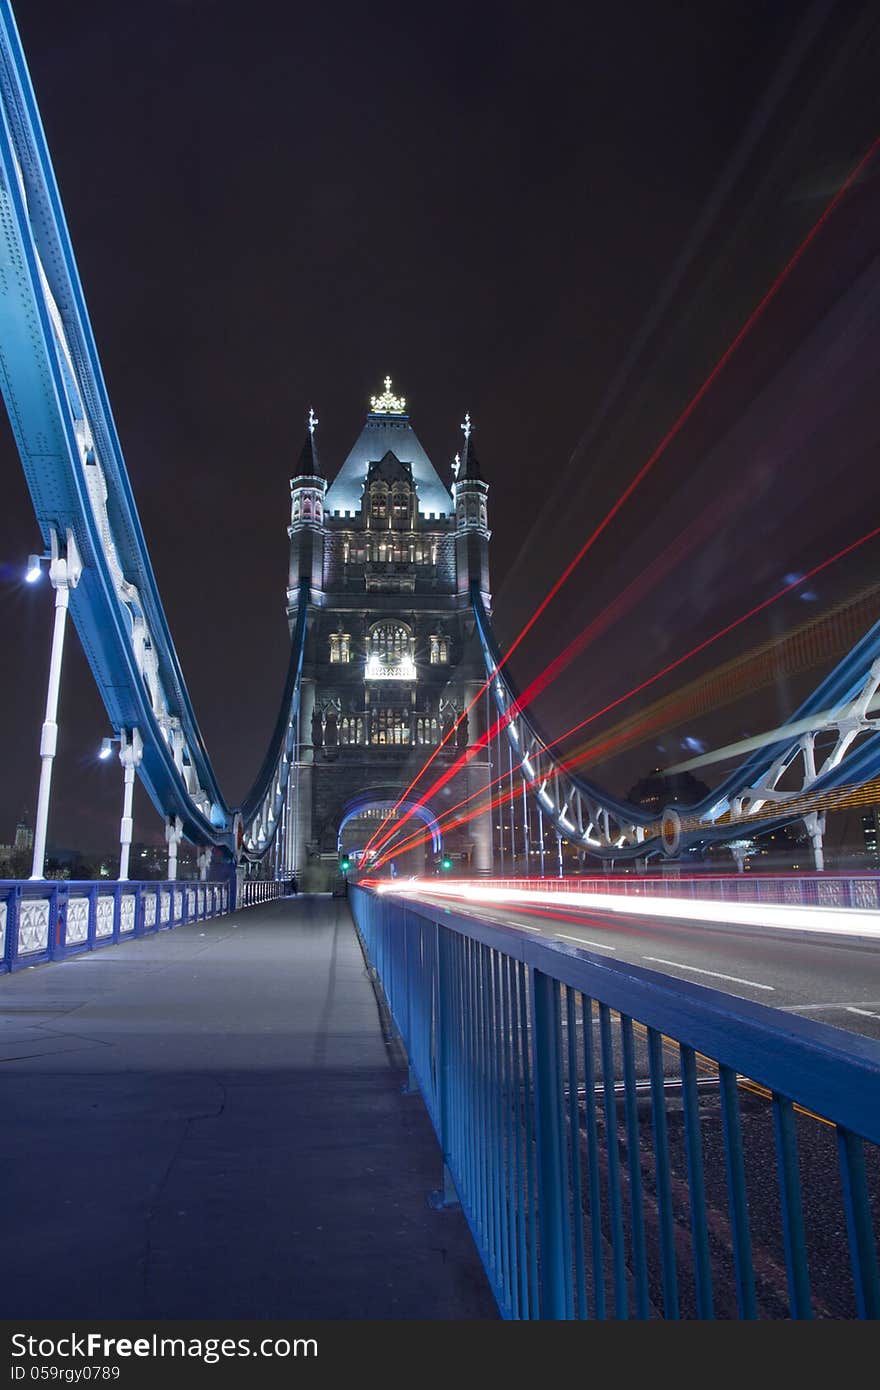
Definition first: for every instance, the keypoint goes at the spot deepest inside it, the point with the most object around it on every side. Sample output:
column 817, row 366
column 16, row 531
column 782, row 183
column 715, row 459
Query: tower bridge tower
column 391, row 654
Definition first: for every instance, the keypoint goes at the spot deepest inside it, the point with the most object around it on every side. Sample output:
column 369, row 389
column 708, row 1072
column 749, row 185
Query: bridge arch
column 378, row 801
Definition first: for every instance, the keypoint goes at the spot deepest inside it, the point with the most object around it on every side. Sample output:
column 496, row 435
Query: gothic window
column 307, row 509
column 340, row 646
column 434, row 553
column 389, row 653
column 379, row 502
column 389, row 727
column 400, row 506
column 346, row 551
column 390, row 642
column 439, row 650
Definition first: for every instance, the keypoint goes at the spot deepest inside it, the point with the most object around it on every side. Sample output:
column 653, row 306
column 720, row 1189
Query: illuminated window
column 425, row 730
column 389, row 727
column 439, row 650
column 400, row 506
column 379, row 502
column 340, row 646
column 389, row 653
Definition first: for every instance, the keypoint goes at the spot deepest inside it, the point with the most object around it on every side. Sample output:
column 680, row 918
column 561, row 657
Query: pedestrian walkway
column 208, row 1123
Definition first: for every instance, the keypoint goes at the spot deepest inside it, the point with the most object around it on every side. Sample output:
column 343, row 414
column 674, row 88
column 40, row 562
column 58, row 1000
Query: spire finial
column 313, row 421
column 388, row 403
column 456, row 466
column 466, row 426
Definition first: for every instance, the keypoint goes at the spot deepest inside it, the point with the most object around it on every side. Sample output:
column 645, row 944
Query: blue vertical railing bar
column 662, row 1175
column 634, row 1170
column 696, row 1183
column 509, row 1194
column 446, row 1026
column 555, row 1264
column 794, row 1238
column 494, row 1119
column 736, row 1191
column 615, row 1203
column 859, row 1227
column 590, row 1082
column 521, row 1303
column 527, row 1023
column 574, row 1141
column 508, row 1257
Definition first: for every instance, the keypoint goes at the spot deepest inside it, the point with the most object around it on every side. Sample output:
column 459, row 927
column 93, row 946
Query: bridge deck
column 207, row 1123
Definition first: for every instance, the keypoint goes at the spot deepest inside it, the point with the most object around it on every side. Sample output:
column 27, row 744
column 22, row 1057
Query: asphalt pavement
column 835, row 981
column 209, row 1123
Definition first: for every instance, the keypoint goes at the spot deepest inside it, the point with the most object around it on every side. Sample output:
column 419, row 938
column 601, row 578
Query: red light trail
column 570, row 765
column 382, row 835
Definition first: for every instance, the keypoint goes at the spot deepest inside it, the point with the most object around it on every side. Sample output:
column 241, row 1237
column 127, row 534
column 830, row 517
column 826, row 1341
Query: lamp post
column 131, row 751
column 64, row 573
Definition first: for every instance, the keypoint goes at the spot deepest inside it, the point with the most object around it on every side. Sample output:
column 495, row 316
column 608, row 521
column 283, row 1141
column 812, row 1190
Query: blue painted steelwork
column 60, row 414
column 640, row 831
column 51, row 920
column 527, row 1053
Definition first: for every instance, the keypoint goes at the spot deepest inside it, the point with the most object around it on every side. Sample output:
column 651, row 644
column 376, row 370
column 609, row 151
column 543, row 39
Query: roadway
column 835, row 980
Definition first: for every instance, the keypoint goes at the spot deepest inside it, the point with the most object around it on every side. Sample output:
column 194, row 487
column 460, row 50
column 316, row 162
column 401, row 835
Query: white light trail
column 827, row 920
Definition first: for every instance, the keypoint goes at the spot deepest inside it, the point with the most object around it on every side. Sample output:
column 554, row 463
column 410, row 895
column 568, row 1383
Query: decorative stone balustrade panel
column 33, row 925
column 126, row 913
column 77, row 928
column 104, row 922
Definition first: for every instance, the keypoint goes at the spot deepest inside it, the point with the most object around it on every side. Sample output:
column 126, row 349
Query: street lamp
column 131, row 750
column 64, row 573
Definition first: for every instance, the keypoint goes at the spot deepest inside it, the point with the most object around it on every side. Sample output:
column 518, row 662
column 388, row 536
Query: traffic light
column 446, row 862
column 345, row 863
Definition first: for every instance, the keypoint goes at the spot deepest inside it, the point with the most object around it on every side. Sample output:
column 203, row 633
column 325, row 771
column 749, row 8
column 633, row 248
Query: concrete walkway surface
column 207, row 1123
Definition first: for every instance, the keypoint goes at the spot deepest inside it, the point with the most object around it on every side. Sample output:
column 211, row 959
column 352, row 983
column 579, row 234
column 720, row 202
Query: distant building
column 660, row 789
column 24, row 835
column 14, row 858
column 870, row 828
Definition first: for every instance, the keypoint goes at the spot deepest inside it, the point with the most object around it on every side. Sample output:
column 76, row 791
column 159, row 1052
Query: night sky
column 554, row 217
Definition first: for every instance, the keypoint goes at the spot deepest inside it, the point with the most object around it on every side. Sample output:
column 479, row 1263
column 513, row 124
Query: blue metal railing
column 626, row 1144
column 50, row 920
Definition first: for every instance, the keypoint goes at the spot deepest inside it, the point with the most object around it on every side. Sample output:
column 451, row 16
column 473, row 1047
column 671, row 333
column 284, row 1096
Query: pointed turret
column 470, row 464
column 309, row 465
column 471, row 519
column 306, row 529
